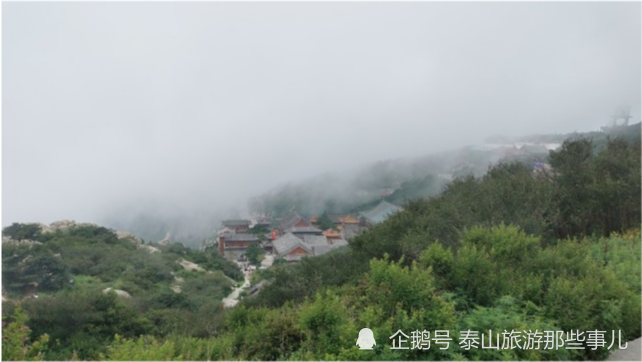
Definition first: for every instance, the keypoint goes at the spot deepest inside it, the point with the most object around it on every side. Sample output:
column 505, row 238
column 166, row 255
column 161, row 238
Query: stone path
column 233, row 299
column 268, row 261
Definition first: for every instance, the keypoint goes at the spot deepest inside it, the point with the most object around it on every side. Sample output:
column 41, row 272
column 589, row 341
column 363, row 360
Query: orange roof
column 331, row 233
column 349, row 219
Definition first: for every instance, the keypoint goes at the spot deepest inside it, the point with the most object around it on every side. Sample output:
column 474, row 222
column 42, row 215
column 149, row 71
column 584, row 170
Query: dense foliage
column 516, row 249
column 584, row 193
column 63, row 276
column 16, row 342
column 500, row 252
column 254, row 254
column 444, row 290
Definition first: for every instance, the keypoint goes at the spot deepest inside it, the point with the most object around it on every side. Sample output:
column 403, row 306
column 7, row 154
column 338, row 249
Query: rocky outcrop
column 63, row 225
column 188, row 265
column 167, row 240
column 149, row 248
column 120, row 293
column 176, row 287
column 129, row 236
column 23, row 242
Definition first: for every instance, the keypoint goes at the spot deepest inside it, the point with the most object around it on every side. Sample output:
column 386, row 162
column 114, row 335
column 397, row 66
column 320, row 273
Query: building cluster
column 295, row 236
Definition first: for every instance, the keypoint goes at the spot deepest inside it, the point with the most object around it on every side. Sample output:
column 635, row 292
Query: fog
column 113, row 111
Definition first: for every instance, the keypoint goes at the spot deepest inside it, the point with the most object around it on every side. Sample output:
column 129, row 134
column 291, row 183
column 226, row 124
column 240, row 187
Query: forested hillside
column 401, row 180
column 517, row 249
column 61, row 279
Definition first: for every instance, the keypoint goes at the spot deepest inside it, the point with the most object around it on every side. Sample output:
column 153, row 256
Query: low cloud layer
column 116, row 108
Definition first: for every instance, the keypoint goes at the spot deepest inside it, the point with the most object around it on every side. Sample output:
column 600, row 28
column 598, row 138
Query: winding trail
column 233, row 299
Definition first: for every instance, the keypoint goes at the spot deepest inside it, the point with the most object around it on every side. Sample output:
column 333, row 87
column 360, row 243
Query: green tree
column 596, row 192
column 254, row 254
column 325, row 222
column 18, row 231
column 16, row 342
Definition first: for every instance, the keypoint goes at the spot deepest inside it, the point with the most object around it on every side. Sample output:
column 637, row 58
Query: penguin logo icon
column 366, row 339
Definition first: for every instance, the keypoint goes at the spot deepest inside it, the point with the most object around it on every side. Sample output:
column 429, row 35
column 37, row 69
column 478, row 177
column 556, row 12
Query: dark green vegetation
column 334, row 195
column 410, row 179
column 586, row 193
column 254, row 255
column 325, row 222
column 513, row 249
column 68, row 272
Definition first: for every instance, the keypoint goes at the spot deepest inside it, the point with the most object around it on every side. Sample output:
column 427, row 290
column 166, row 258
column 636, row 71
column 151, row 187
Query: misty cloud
column 109, row 108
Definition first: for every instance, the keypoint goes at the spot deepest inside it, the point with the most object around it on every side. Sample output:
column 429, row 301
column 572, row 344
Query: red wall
column 221, row 245
column 298, row 251
column 237, row 244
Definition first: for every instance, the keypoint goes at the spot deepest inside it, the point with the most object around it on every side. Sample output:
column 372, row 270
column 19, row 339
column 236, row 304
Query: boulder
column 188, row 265
column 120, row 293
column 149, row 248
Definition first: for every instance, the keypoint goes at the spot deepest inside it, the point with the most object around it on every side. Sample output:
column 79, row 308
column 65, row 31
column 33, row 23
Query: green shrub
column 16, row 341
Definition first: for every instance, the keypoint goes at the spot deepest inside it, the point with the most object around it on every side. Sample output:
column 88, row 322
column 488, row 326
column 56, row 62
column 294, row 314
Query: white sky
column 199, row 105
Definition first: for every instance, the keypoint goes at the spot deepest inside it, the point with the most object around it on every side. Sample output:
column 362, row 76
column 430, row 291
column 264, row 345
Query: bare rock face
column 23, row 242
column 44, row 228
column 65, row 225
column 167, row 240
column 129, row 236
column 188, row 265
column 149, row 248
column 120, row 293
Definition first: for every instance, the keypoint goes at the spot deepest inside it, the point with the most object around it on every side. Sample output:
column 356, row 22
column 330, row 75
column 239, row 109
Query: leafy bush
column 513, row 250
column 82, row 322
column 35, row 265
column 16, row 342
column 17, row 231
